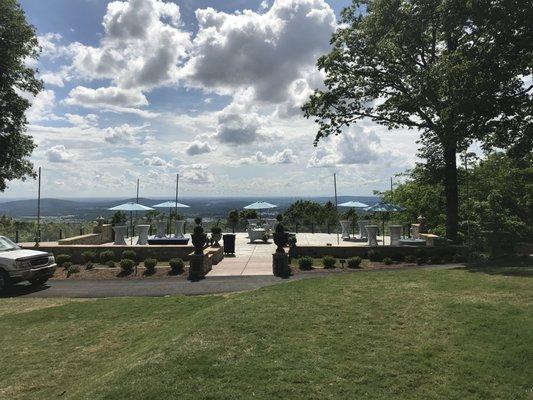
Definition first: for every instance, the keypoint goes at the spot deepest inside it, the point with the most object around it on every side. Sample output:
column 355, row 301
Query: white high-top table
column 143, row 234
column 161, row 229
column 120, row 234
column 345, row 226
column 395, row 234
column 372, row 231
column 362, row 227
column 180, row 225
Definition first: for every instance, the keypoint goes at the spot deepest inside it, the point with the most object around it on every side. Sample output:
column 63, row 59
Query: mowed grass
column 449, row 334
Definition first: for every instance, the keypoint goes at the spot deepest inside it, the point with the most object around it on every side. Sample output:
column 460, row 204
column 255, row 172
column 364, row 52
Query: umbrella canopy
column 354, row 204
column 130, row 206
column 259, row 205
column 384, row 207
column 171, row 204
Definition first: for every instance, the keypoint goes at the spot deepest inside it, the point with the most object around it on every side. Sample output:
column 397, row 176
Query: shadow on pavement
column 22, row 289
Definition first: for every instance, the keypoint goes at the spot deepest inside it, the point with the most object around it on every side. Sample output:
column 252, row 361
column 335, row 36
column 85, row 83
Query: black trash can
column 229, row 243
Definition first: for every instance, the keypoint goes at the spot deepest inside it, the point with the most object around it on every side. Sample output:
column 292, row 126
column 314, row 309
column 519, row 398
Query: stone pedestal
column 197, row 267
column 161, row 229
column 372, row 231
column 280, row 265
column 120, row 234
column 142, row 231
column 395, row 234
column 180, row 225
column 345, row 226
column 362, row 228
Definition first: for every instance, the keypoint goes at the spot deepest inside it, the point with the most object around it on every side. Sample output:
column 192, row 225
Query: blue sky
column 208, row 89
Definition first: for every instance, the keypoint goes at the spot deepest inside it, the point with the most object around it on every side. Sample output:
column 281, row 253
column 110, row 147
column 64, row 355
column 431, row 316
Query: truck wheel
column 38, row 281
column 5, row 282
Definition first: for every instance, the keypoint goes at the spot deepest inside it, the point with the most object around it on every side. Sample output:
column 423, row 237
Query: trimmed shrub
column 409, row 258
column 387, row 261
column 177, row 265
column 72, row 269
column 61, row 259
column 88, row 256
column 421, row 260
column 354, row 262
column 66, row 265
column 106, row 256
column 150, row 264
column 111, row 264
column 374, row 255
column 305, row 263
column 398, row 257
column 89, row 265
column 127, row 264
column 130, row 255
column 329, row 262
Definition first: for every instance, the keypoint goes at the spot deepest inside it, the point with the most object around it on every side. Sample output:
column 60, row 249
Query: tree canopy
column 18, row 45
column 458, row 71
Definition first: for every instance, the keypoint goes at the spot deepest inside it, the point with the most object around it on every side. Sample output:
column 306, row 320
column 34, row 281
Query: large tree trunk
column 450, row 188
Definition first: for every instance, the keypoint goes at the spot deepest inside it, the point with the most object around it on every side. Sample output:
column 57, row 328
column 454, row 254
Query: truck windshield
column 7, row 245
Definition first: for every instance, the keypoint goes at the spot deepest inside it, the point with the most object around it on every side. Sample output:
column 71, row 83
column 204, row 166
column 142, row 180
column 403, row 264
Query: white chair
column 271, row 223
column 120, row 234
column 252, row 222
column 372, row 231
column 143, row 234
column 256, row 234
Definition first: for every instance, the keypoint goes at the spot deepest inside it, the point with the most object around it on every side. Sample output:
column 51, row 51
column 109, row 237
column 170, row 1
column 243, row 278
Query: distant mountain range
column 88, row 209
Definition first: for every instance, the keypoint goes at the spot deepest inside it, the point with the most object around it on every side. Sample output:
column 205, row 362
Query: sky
column 209, row 90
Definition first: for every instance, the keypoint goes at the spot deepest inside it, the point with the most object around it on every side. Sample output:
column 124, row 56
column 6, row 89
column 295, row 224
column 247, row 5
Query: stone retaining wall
column 387, row 251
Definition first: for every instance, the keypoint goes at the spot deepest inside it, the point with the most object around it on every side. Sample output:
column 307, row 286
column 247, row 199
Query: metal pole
column 37, row 238
column 131, row 227
column 467, row 202
column 176, row 204
column 336, row 202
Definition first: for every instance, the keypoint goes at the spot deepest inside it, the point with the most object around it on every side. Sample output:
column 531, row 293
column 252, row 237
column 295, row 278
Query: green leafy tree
column 233, row 219
column 119, row 217
column 18, row 44
column 453, row 70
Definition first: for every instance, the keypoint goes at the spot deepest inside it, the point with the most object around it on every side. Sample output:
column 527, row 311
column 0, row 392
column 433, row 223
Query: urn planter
column 198, row 241
column 280, row 239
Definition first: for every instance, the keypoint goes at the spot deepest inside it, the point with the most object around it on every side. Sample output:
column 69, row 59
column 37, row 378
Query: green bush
column 409, row 258
column 305, row 263
column 329, row 262
column 89, row 265
column 176, row 265
column 61, row 259
column 435, row 259
column 421, row 260
column 88, row 256
column 354, row 262
column 374, row 255
column 66, row 265
column 387, row 261
column 130, row 255
column 73, row 269
column 106, row 256
column 111, row 264
column 398, row 257
column 150, row 264
column 127, row 264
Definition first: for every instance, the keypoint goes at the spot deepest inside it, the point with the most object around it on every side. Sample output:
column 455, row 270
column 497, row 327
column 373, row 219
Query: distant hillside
column 205, row 207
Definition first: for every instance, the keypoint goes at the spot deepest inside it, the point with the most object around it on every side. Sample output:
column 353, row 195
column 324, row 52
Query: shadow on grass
column 511, row 266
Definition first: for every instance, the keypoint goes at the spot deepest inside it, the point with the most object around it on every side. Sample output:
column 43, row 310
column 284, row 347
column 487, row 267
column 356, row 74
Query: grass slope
column 401, row 334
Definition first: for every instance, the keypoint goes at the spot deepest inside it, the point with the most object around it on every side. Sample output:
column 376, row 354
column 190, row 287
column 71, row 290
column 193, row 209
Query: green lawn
column 449, row 334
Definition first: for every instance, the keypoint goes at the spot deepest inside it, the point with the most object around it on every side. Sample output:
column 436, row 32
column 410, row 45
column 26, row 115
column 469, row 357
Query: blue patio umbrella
column 383, row 208
column 131, row 207
column 259, row 205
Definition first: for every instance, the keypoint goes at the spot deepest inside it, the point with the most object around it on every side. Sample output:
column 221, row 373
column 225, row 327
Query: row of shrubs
column 420, row 258
column 128, row 261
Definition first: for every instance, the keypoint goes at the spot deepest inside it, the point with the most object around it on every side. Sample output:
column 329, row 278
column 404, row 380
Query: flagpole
column 335, row 186
column 37, row 236
column 176, row 203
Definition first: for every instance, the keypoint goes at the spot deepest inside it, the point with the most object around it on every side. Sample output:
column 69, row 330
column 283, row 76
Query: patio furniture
column 120, row 234
column 180, row 225
column 256, row 234
column 142, row 231
column 345, row 226
column 229, row 243
column 395, row 234
column 372, row 231
column 253, row 222
column 271, row 223
column 161, row 229
column 362, row 227
column 131, row 207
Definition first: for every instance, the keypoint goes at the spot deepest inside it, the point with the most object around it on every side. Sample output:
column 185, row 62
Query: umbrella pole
column 131, row 227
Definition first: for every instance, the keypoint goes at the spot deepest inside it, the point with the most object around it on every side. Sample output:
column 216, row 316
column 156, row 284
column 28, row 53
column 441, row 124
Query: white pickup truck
column 17, row 264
